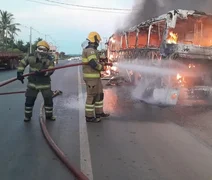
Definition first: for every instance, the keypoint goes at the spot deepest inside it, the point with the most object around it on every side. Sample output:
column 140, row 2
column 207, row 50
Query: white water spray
column 159, row 70
column 159, row 95
column 73, row 102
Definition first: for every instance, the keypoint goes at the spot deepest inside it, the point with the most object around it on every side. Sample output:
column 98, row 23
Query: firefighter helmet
column 44, row 44
column 94, row 37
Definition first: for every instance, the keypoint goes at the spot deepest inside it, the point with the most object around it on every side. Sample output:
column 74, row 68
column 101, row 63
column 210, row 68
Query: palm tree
column 12, row 31
column 7, row 27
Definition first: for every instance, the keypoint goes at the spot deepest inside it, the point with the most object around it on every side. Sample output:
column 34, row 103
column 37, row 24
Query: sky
column 67, row 26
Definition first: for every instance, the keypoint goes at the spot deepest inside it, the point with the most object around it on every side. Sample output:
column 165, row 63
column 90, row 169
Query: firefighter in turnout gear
column 40, row 81
column 92, row 77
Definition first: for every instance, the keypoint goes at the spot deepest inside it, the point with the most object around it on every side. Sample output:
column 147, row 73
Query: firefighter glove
column 20, row 77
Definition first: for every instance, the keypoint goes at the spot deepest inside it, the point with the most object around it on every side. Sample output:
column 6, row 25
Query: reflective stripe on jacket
column 89, row 54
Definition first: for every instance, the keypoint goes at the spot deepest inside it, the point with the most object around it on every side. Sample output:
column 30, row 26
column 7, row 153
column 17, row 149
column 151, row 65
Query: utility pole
column 45, row 37
column 30, row 41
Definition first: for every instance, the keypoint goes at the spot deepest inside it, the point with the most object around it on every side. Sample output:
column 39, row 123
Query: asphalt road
column 137, row 142
column 23, row 150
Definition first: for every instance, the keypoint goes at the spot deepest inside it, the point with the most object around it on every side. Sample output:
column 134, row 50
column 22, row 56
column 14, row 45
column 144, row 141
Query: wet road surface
column 7, row 74
column 23, row 149
column 137, row 142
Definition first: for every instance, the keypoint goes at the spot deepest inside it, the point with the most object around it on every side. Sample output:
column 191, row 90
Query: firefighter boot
column 51, row 118
column 27, row 119
column 49, row 110
column 93, row 119
column 102, row 115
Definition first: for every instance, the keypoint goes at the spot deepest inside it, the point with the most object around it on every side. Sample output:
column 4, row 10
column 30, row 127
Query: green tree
column 62, row 55
column 8, row 29
column 20, row 45
column 13, row 31
column 27, row 47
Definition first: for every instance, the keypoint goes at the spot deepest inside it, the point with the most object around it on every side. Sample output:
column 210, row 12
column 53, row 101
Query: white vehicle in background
column 70, row 59
column 75, row 59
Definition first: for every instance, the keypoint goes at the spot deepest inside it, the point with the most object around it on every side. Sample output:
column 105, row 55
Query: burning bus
column 180, row 40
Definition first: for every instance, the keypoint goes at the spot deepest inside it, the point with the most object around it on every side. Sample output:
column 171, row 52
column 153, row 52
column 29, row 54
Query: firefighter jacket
column 93, row 69
column 37, row 63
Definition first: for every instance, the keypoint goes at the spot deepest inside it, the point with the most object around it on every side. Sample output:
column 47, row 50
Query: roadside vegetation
column 9, row 30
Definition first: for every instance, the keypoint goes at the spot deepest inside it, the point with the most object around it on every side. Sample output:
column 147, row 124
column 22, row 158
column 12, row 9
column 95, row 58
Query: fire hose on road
column 78, row 174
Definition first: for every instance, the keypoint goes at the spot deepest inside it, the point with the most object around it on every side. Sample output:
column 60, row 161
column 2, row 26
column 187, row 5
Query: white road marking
column 85, row 156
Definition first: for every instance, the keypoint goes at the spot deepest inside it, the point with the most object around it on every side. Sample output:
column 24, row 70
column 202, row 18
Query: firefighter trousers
column 31, row 96
column 95, row 96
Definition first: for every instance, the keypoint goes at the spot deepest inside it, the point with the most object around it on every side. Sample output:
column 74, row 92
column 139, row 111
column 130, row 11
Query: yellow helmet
column 94, row 37
column 43, row 43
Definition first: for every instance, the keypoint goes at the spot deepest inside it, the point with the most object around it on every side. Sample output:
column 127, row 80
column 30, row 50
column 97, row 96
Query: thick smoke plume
column 146, row 9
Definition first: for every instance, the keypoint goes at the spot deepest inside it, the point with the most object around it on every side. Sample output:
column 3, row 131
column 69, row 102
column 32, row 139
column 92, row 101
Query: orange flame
column 111, row 56
column 108, row 71
column 112, row 40
column 173, row 37
column 178, row 76
column 114, row 68
column 180, row 79
column 191, row 66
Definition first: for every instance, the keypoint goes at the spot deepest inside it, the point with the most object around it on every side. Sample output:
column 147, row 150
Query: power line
column 52, row 39
column 32, row 29
column 90, row 7
column 39, row 32
column 83, row 9
column 46, row 3
column 58, row 4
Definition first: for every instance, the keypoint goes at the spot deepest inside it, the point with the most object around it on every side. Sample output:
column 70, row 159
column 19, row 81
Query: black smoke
column 146, row 9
